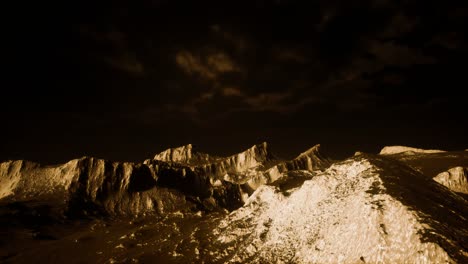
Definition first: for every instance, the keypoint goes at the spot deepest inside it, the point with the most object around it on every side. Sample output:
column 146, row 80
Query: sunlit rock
column 390, row 150
column 365, row 209
column 455, row 179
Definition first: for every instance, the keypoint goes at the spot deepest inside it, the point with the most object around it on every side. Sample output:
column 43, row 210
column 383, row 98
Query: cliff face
column 88, row 185
column 24, row 179
column 177, row 179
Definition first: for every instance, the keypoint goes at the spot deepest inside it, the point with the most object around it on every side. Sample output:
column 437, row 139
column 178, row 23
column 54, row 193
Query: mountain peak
column 314, row 149
column 263, row 148
column 185, row 154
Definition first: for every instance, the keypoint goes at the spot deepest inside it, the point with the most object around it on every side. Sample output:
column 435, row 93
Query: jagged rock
column 256, row 157
column 390, row 150
column 29, row 179
column 311, row 160
column 177, row 178
column 88, row 184
column 368, row 208
column 365, row 209
column 250, row 169
column 455, row 179
column 185, row 155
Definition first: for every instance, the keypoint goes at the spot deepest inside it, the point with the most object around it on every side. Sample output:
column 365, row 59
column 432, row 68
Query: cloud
column 210, row 67
column 231, row 91
column 239, row 42
column 221, row 63
column 115, row 39
column 193, row 65
column 126, row 62
column 399, row 24
column 450, row 40
column 289, row 55
column 392, row 54
column 118, row 54
column 266, row 101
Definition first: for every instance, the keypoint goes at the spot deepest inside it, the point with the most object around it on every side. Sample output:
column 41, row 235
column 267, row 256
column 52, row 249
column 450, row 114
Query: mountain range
column 183, row 206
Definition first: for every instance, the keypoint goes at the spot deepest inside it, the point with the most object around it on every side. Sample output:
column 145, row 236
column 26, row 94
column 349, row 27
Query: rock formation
column 185, row 155
column 365, row 209
column 390, row 150
column 311, row 160
column 88, row 185
column 455, row 179
column 177, row 179
column 256, row 157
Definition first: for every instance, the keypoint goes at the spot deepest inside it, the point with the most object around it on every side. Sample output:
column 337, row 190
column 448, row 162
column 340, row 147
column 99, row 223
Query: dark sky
column 123, row 80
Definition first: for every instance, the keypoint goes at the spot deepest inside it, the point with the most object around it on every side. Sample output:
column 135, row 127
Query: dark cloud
column 209, row 67
column 231, row 91
column 158, row 73
column 126, row 62
column 389, row 53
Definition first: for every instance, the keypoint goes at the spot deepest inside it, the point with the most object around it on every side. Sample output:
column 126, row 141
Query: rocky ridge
column 391, row 150
column 177, row 179
column 365, row 209
column 185, row 155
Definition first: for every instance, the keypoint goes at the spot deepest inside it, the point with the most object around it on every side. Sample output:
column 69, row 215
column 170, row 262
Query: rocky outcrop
column 25, row 179
column 455, row 179
column 366, row 209
column 250, row 169
column 311, row 160
column 87, row 186
column 256, row 157
column 178, row 179
column 185, row 155
column 390, row 150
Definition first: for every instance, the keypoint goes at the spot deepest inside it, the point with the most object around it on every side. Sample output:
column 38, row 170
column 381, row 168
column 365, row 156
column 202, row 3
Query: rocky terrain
column 184, row 206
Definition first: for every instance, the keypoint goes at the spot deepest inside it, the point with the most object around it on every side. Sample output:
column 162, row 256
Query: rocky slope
column 363, row 210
